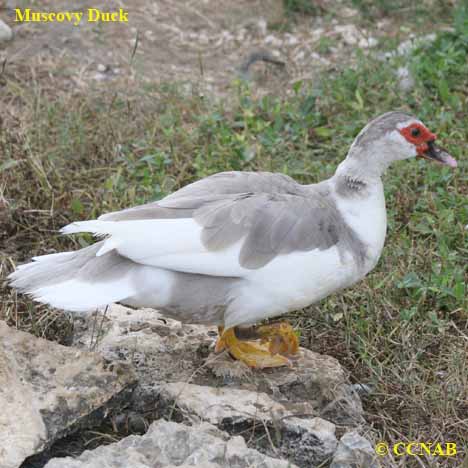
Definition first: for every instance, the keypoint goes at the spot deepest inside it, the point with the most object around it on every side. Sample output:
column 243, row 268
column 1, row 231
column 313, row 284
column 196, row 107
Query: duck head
column 392, row 137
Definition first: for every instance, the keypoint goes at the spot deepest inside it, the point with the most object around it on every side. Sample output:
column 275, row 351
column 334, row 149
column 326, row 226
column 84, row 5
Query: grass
column 403, row 330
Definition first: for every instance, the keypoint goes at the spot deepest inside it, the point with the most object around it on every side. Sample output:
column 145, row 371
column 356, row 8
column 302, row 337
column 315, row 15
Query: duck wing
column 225, row 225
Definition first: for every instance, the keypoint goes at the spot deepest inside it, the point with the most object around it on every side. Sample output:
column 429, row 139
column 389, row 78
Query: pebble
column 6, row 34
column 405, row 79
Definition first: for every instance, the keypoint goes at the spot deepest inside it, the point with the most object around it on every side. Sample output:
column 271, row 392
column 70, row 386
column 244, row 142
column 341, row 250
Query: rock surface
column 405, row 79
column 5, row 32
column 48, row 390
column 164, row 350
column 168, row 444
column 304, row 440
column 291, row 411
column 354, row 451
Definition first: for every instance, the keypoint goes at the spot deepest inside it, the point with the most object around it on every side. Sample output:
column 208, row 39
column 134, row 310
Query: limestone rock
column 6, row 33
column 291, row 411
column 166, row 351
column 354, row 451
column 406, row 47
column 222, row 405
column 353, row 36
column 48, row 390
column 308, row 441
column 405, row 79
column 169, row 444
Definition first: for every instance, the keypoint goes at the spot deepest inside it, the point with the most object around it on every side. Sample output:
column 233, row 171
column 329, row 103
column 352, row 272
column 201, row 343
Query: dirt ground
column 200, row 42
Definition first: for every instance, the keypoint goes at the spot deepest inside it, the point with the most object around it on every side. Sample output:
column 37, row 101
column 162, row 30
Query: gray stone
column 221, row 405
column 48, row 390
column 405, row 79
column 305, row 441
column 354, row 451
column 363, row 390
column 169, row 444
column 406, row 47
column 309, row 442
column 413, row 42
column 166, row 351
column 6, row 33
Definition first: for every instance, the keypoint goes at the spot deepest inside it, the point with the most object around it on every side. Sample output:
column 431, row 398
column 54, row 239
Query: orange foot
column 272, row 345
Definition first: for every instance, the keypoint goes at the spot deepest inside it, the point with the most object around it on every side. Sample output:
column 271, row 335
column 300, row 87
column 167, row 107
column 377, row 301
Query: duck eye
column 415, row 132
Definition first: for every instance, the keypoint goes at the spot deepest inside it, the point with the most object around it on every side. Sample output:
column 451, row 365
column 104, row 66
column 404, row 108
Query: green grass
column 300, row 7
column 404, row 329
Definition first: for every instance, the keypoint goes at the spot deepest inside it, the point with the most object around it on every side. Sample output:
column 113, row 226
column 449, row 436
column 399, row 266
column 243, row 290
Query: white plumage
column 235, row 248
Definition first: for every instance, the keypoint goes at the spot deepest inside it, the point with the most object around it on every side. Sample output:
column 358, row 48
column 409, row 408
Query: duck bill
column 432, row 152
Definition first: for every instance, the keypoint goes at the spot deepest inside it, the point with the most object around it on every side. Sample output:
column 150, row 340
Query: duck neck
column 354, row 177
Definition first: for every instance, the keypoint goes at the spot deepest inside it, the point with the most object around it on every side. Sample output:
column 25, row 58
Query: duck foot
column 273, row 345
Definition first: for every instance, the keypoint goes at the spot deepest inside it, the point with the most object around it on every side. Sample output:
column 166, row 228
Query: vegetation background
column 71, row 152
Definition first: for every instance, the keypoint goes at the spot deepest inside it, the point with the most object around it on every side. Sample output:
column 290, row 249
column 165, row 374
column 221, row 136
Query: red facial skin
column 420, row 140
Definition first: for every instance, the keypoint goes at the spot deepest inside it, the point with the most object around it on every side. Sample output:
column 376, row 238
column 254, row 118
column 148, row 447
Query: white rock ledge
column 48, row 390
column 168, row 444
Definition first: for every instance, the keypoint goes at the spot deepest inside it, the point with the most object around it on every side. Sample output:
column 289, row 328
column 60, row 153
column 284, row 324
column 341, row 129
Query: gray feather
column 81, row 265
column 272, row 213
column 379, row 126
